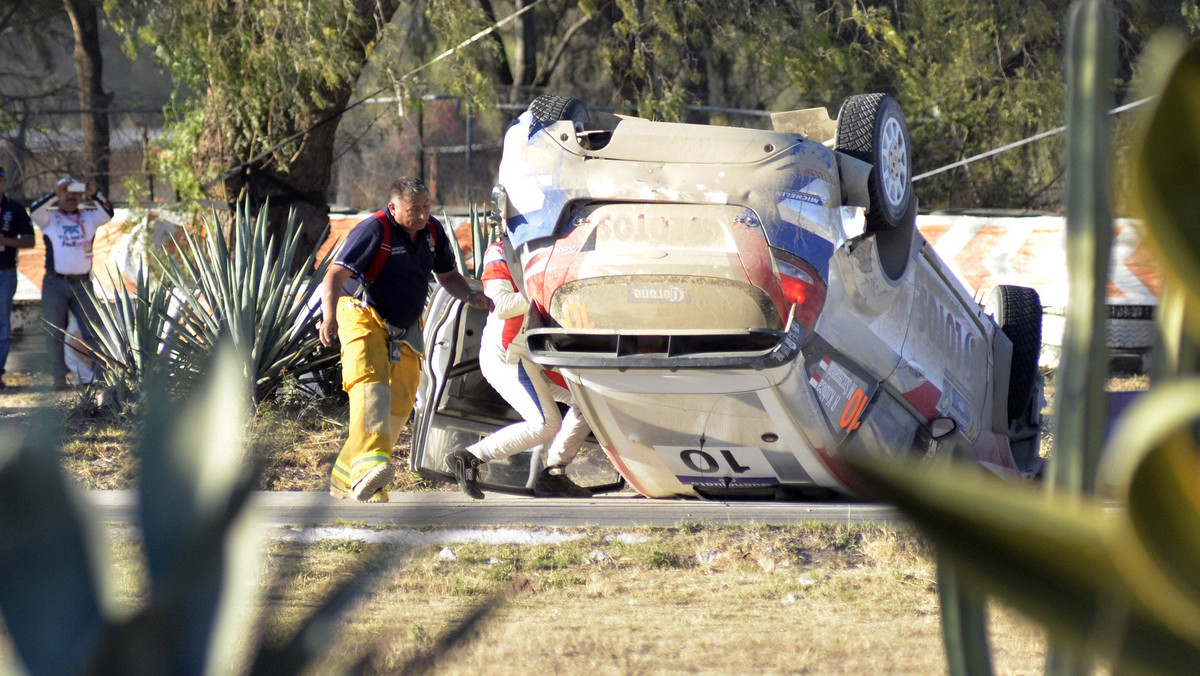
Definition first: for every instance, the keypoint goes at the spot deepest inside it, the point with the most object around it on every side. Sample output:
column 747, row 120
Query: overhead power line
column 371, row 98
column 449, row 52
column 1022, row 142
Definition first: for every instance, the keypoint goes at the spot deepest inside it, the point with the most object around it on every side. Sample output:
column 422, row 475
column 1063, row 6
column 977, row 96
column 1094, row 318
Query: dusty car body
column 735, row 308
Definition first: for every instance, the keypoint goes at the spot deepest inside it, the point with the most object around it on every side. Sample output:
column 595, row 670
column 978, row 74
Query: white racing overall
column 523, row 384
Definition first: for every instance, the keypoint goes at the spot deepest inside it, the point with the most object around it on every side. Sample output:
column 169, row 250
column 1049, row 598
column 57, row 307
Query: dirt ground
column 815, row 599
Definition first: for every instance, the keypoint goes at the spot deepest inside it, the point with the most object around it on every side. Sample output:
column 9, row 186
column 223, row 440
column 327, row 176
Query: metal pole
column 469, row 176
column 421, row 139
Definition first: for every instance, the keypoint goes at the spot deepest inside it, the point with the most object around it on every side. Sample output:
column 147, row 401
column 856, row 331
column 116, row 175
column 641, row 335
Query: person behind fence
column 372, row 298
column 526, row 387
column 68, row 218
column 16, row 232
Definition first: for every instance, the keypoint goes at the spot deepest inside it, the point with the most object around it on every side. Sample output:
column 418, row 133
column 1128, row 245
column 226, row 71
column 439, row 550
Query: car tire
column 1018, row 312
column 549, row 108
column 871, row 128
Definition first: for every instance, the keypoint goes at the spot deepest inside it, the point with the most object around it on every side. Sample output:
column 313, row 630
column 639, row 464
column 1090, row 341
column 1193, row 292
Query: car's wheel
column 549, row 108
column 1018, row 312
column 871, row 127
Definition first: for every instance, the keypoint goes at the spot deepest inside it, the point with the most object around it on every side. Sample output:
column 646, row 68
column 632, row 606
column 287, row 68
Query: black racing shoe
column 465, row 467
column 553, row 482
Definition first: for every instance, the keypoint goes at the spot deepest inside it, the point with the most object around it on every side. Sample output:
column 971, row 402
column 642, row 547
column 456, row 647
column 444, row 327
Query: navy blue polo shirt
column 399, row 292
column 14, row 222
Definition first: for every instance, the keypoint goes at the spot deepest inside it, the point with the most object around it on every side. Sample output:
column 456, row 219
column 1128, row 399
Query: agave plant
column 1119, row 585
column 258, row 291
column 483, row 234
column 131, row 331
column 202, row 549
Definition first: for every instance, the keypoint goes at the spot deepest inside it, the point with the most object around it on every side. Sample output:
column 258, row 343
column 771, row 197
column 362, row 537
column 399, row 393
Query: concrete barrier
column 28, row 351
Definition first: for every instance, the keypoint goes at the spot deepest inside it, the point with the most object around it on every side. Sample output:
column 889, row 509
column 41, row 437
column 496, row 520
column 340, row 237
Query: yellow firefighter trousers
column 381, row 393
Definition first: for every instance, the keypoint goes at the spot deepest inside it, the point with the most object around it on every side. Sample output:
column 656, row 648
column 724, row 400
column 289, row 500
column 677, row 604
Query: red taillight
column 801, row 285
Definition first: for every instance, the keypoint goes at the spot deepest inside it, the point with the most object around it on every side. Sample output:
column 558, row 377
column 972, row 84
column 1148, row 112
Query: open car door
column 456, row 407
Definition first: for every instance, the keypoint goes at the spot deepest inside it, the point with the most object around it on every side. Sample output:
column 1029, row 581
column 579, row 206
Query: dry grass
column 1119, row 382
column 696, row 599
column 730, row 600
column 295, row 443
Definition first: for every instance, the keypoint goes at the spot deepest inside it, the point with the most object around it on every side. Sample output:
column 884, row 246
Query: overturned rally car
column 735, row 308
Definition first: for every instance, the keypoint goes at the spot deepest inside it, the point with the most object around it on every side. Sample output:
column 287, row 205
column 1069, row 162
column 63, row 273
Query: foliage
column 35, row 37
column 514, row 63
column 258, row 291
column 993, row 77
column 252, row 290
column 202, row 555
column 132, row 330
column 483, row 234
column 277, row 68
column 1118, row 586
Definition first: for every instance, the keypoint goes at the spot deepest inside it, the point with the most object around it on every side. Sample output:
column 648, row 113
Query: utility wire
column 370, row 98
column 1022, row 142
column 449, row 52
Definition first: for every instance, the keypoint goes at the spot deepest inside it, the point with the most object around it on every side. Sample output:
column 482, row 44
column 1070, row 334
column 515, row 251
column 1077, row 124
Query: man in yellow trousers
column 372, row 298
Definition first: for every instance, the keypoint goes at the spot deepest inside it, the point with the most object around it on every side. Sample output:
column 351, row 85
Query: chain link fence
column 42, row 146
column 453, row 146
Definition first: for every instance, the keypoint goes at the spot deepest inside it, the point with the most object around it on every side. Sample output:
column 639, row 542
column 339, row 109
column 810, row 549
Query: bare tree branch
column 551, row 64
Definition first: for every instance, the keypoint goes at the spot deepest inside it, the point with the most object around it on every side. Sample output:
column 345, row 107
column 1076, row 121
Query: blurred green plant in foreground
column 206, row 612
column 1106, row 556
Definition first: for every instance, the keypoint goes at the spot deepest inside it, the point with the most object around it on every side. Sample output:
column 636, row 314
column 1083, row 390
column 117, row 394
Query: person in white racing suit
column 530, row 390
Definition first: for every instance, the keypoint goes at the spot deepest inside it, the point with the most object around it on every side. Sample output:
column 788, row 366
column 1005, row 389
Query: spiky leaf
column 49, row 595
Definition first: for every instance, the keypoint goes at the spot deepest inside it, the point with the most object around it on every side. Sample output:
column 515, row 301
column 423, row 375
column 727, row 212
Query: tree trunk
column 527, row 50
column 299, row 191
column 93, row 101
column 503, row 72
column 298, row 187
column 698, row 89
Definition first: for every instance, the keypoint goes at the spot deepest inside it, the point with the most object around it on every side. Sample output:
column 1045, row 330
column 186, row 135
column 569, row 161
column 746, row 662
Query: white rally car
column 735, row 308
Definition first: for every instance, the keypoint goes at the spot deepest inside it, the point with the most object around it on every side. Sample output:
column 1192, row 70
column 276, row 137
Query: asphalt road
column 454, row 510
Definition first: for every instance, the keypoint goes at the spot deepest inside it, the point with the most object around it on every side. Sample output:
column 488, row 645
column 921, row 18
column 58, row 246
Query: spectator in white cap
column 15, row 233
column 69, row 232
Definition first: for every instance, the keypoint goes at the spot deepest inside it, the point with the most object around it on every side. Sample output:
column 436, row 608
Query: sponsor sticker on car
column 843, row 395
column 657, row 293
column 954, row 403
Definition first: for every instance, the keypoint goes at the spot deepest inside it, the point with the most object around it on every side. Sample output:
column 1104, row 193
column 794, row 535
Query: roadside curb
column 453, row 510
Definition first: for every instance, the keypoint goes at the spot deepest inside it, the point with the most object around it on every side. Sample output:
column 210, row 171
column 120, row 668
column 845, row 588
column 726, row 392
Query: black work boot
column 465, row 467
column 553, row 482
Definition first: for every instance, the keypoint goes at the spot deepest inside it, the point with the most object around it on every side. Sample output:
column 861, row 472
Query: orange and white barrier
column 985, row 251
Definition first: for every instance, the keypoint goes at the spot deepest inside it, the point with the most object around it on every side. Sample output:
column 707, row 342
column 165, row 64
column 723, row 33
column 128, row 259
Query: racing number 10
column 704, row 463
column 853, row 411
